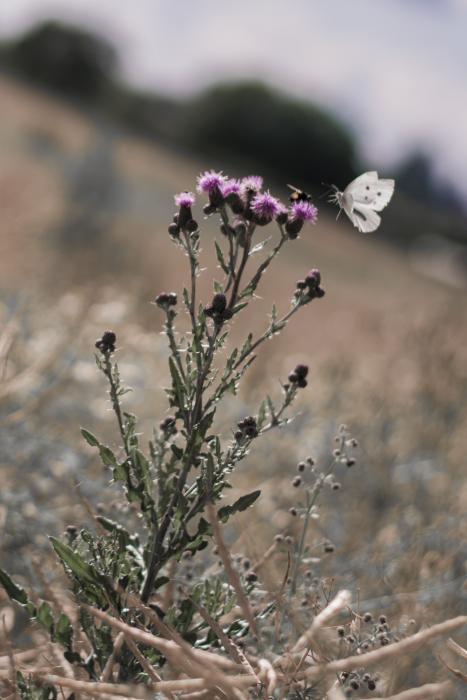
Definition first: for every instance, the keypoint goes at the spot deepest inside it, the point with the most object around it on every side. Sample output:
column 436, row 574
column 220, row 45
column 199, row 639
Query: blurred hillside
column 88, row 169
column 248, row 125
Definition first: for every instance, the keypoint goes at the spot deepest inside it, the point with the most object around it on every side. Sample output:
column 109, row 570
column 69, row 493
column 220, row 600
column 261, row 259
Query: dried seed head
column 301, row 466
column 367, row 617
column 296, row 481
column 251, row 577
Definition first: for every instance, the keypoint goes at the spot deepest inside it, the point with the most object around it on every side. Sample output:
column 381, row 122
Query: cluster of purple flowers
column 248, row 201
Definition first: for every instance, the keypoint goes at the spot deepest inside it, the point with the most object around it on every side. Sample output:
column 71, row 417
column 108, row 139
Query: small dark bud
column 301, row 466
column 301, row 284
column 72, row 529
column 278, row 538
column 251, row 432
column 293, row 511
column 281, row 218
column 384, row 641
column 293, row 228
column 191, row 225
column 313, row 278
column 328, row 547
column 354, row 684
column 350, row 462
column 310, row 461
column 371, row 684
column 227, row 230
column 302, row 383
column 165, row 300
column 174, row 230
column 235, row 203
column 293, row 379
column 383, row 619
column 168, row 425
column 239, row 227
column 296, row 481
column 336, row 486
column 366, row 677
column 340, row 632
column 344, row 675
column 209, row 209
column 251, row 577
column 367, row 617
column 106, row 344
column 238, row 434
column 219, row 303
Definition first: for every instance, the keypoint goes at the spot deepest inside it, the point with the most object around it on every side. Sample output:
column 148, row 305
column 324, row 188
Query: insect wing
column 370, row 191
column 363, row 217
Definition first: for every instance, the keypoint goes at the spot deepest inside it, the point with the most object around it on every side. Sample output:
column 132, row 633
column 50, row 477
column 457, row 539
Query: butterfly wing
column 369, row 191
column 363, row 217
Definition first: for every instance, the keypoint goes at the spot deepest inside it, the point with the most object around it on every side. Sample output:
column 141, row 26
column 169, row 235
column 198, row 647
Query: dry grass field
column 84, row 247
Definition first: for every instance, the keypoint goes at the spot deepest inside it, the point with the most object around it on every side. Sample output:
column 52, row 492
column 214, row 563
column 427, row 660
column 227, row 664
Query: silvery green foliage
column 187, row 464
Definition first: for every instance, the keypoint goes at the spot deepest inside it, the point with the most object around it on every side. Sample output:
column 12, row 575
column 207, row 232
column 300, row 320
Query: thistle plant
column 145, row 594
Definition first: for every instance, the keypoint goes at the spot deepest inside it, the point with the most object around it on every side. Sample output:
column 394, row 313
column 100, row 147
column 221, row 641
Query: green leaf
column 241, row 504
column 83, row 571
column 45, row 617
column 90, row 438
column 14, row 591
column 177, row 384
column 239, row 307
column 107, row 456
column 220, row 258
column 64, row 630
column 120, row 472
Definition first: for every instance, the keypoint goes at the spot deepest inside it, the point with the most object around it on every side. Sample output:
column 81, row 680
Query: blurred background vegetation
column 88, row 167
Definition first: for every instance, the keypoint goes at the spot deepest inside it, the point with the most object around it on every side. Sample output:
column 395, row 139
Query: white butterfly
column 362, row 198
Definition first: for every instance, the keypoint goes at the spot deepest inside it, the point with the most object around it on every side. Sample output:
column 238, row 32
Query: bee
column 298, row 195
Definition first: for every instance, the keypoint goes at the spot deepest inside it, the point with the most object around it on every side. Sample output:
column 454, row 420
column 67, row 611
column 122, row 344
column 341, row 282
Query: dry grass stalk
column 227, row 643
column 182, row 658
column 231, row 574
column 379, row 655
column 424, row 692
column 342, row 600
column 96, row 689
column 457, row 649
column 108, row 668
column 11, row 660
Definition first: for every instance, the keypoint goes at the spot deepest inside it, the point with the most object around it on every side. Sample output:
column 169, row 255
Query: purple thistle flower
column 230, row 187
column 184, row 199
column 252, row 183
column 265, row 207
column 304, row 211
column 210, row 181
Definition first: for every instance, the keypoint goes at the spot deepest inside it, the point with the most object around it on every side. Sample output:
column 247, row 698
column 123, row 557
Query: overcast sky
column 396, row 71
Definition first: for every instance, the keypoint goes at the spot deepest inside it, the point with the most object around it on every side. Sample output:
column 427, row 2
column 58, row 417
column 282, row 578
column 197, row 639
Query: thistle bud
column 106, row 344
